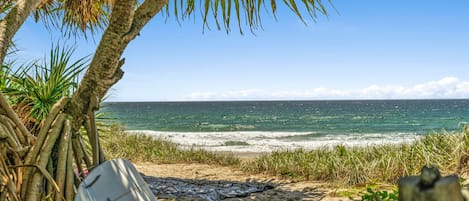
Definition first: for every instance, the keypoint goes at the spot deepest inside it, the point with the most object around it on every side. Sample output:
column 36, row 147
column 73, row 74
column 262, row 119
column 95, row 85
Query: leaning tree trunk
column 52, row 162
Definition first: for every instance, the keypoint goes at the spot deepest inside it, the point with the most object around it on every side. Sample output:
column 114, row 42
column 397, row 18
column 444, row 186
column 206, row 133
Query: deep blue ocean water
column 290, row 124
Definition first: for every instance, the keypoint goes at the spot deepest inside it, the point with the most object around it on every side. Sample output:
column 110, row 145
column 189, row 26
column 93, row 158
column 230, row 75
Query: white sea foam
column 262, row 141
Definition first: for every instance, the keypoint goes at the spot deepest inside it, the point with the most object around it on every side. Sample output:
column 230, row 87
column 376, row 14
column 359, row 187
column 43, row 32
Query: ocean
column 263, row 126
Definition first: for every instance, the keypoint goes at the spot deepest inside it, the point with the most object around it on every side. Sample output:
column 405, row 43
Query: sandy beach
column 283, row 189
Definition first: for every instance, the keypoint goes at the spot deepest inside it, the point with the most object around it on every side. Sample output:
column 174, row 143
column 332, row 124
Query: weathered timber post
column 430, row 186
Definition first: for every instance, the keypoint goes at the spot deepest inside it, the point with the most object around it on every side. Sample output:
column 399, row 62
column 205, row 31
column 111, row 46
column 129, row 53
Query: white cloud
column 448, row 87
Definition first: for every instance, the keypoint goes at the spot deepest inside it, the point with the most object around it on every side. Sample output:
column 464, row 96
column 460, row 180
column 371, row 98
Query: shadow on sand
column 170, row 188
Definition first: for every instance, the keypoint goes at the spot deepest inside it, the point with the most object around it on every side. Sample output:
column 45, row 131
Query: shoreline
column 249, row 144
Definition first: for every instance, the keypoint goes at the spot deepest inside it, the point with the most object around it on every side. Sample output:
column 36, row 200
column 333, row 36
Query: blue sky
column 368, row 49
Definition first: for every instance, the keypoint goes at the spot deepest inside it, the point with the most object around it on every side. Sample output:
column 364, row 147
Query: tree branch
column 122, row 16
column 104, row 63
column 143, row 15
column 105, row 68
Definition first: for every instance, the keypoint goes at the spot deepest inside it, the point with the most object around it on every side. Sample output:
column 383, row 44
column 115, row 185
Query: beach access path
column 282, row 189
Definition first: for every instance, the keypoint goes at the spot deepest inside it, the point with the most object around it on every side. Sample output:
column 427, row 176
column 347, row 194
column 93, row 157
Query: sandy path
column 284, row 189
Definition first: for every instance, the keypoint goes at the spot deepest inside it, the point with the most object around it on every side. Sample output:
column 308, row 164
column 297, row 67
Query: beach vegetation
column 376, row 195
column 33, row 88
column 363, row 165
column 372, row 166
column 144, row 148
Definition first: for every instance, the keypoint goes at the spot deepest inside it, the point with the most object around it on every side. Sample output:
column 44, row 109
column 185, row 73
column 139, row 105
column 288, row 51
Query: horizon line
column 280, row 100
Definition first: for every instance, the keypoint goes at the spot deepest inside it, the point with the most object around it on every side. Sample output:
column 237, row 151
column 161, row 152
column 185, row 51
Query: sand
column 284, row 189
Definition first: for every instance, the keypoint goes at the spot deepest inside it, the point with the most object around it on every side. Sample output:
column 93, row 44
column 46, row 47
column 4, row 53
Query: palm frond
column 246, row 12
column 5, row 72
column 5, row 6
column 74, row 17
column 36, row 87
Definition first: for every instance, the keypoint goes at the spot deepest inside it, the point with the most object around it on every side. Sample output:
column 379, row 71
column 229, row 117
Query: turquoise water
column 305, row 123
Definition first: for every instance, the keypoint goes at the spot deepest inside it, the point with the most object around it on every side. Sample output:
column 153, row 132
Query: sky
column 364, row 49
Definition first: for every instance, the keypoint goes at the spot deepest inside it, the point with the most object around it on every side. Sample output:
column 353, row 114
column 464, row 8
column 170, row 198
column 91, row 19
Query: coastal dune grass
column 142, row 148
column 343, row 165
column 368, row 164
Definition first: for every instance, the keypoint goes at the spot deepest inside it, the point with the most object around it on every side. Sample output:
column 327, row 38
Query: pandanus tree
column 50, row 160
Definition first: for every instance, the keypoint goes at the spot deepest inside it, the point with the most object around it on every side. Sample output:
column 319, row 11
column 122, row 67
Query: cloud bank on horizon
column 445, row 88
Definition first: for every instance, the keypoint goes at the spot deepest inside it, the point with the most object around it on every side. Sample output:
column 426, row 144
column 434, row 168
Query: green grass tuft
column 117, row 144
column 370, row 164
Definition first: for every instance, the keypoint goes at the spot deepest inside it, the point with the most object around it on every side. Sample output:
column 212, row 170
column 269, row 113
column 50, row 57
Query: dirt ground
column 283, row 189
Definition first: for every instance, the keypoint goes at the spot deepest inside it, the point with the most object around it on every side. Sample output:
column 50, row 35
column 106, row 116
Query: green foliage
column 7, row 69
column 372, row 195
column 340, row 165
column 369, row 164
column 74, row 18
column 245, row 11
column 5, row 72
column 35, row 87
column 79, row 17
column 118, row 144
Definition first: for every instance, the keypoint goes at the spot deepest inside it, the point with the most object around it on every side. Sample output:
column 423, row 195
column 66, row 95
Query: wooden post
column 430, row 186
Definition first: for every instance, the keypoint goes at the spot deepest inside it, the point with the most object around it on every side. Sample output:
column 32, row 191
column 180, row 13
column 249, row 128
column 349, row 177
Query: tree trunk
column 41, row 165
column 105, row 69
